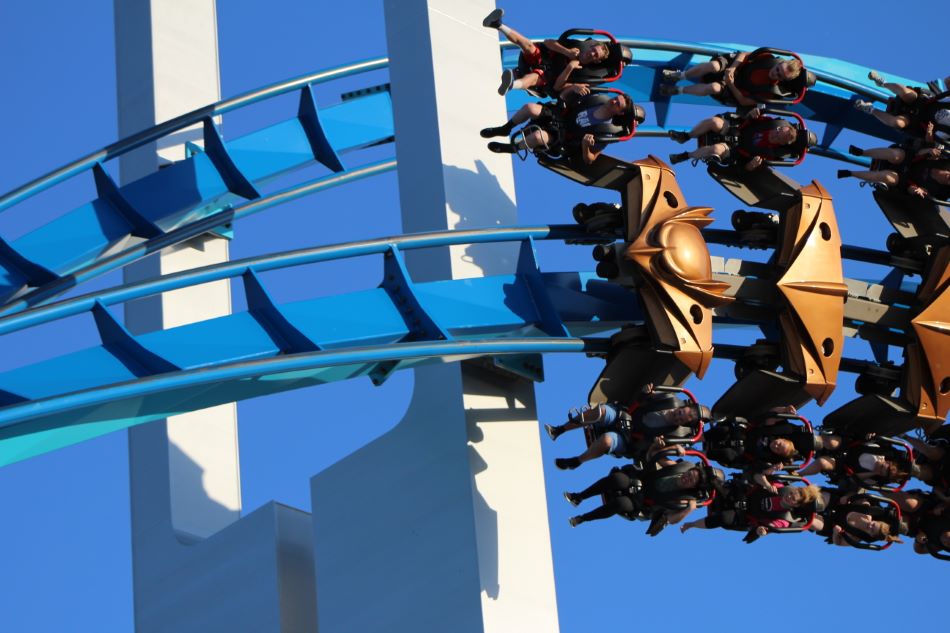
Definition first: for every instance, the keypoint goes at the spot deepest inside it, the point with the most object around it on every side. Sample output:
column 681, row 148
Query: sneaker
column 876, row 78
column 854, row 150
column 572, row 498
column 493, row 19
column 492, row 132
column 679, row 158
column 864, row 106
column 507, row 78
column 672, row 75
column 669, row 90
column 553, row 431
column 575, row 521
column 502, row 148
column 567, row 463
column 844, row 173
column 678, row 136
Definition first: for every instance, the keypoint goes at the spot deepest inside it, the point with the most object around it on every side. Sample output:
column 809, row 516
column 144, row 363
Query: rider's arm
column 762, row 480
column 560, row 49
column 741, row 57
column 589, row 150
column 675, row 517
column 561, row 82
column 836, row 537
column 754, row 163
column 740, row 98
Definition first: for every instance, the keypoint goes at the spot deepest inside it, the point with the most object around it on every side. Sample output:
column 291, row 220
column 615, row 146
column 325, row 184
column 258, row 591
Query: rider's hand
column 588, row 140
column 574, row 53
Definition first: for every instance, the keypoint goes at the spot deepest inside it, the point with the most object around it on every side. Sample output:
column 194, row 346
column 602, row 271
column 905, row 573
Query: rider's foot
column 493, row 19
column 507, row 78
column 679, row 158
column 502, row 148
column 567, row 463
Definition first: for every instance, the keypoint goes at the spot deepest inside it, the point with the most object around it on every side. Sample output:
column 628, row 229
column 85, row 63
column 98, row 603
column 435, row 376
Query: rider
column 754, row 508
column 664, row 489
column 762, row 445
column 623, row 432
column 740, row 78
column 870, row 463
column 547, row 68
column 572, row 125
column 915, row 111
column 925, row 174
column 750, row 141
column 857, row 520
column 933, row 533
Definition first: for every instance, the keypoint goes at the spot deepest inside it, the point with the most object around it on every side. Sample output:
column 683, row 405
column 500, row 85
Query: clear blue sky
column 65, row 534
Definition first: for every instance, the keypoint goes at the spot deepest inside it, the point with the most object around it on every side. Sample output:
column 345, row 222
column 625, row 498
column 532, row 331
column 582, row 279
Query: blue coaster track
column 129, row 379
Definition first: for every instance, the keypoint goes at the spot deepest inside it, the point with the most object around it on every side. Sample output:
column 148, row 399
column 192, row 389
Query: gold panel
column 665, row 242
column 928, row 363
column 814, row 290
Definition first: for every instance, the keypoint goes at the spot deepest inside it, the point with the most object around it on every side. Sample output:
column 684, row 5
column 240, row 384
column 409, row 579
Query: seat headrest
column 621, row 53
column 639, row 114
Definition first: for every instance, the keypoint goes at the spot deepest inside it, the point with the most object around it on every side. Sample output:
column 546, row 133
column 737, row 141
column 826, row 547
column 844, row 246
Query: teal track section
column 129, row 380
column 400, row 324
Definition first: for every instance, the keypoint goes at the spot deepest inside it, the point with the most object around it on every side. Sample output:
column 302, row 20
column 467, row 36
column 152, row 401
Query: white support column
column 196, row 567
column 441, row 525
column 167, row 64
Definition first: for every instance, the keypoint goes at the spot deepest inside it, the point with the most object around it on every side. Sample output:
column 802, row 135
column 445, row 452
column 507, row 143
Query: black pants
column 614, row 486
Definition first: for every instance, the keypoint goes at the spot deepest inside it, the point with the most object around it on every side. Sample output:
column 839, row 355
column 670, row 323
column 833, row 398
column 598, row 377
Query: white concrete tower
column 441, row 524
column 196, row 567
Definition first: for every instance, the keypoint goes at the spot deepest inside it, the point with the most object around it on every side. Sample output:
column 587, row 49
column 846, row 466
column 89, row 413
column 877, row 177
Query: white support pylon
column 197, row 565
column 441, row 524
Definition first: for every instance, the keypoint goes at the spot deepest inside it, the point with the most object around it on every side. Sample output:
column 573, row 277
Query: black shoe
column 844, row 173
column 492, row 132
column 679, row 158
column 507, row 78
column 493, row 19
column 575, row 521
column 573, row 498
column 671, row 75
column 567, row 463
column 554, row 432
column 668, row 90
column 854, row 150
column 502, row 148
column 678, row 136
